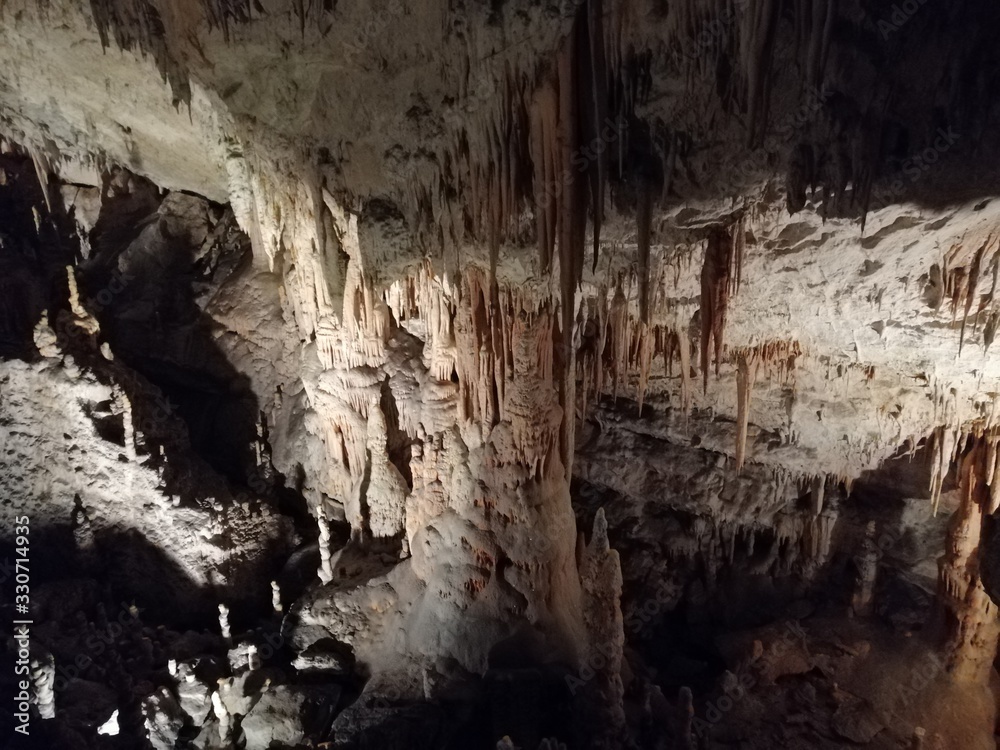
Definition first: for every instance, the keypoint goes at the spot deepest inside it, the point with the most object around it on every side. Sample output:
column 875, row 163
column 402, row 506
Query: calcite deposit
column 416, row 374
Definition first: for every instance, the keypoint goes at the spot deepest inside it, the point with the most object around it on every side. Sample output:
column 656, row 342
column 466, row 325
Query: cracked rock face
column 610, row 374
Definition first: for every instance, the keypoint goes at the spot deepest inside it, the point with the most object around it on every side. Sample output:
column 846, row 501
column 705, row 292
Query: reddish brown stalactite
column 570, row 241
column 545, row 164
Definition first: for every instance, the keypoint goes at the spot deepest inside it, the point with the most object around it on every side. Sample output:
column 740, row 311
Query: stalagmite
column 601, row 576
column 685, row 716
column 123, row 406
column 45, row 338
column 222, row 716
column 253, row 659
column 81, row 317
column 867, row 569
column 43, row 677
column 276, row 598
column 224, row 623
column 386, row 489
column 110, row 727
column 325, row 571
column 972, row 624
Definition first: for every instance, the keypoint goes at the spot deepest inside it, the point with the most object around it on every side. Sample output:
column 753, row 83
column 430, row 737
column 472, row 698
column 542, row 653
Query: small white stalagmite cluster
column 43, row 677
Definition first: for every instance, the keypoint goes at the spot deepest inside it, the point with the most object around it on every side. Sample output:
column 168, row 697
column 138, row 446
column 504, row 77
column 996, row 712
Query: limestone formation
column 43, row 674
column 224, row 623
column 552, row 356
column 276, row 604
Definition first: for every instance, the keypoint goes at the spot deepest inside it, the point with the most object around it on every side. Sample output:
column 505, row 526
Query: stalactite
column 715, row 291
column 684, row 350
column 746, row 374
column 571, row 231
column 945, row 444
column 822, row 13
column 960, row 285
column 645, row 219
column 618, row 324
column 137, row 25
column 545, row 156
column 736, row 257
column 818, row 493
column 646, row 345
column 778, row 358
column 757, row 33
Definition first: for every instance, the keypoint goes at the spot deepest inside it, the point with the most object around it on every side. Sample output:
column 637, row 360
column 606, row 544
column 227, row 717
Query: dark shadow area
column 36, row 245
column 149, row 257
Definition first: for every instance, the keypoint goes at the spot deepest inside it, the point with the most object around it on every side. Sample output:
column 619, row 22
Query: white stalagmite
column 127, row 424
column 45, row 338
column 325, row 572
column 83, row 319
column 253, row 659
column 224, row 623
column 43, row 677
column 222, row 715
column 386, row 488
column 276, row 597
column 110, row 727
